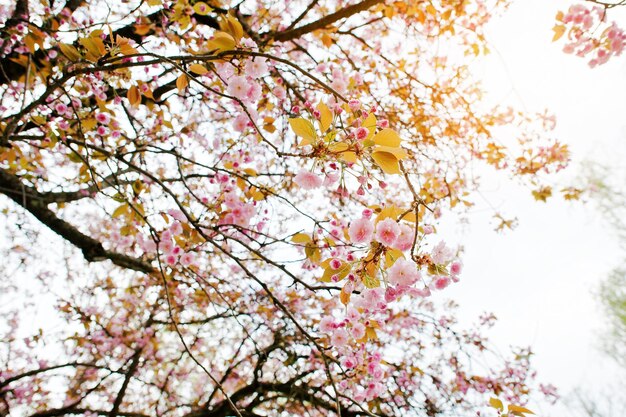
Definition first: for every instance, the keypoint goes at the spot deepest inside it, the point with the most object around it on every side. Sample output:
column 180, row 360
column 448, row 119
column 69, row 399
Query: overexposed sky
column 540, row 279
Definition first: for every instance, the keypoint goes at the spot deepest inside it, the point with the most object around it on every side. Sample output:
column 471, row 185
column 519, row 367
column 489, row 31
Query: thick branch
column 93, row 251
column 324, row 21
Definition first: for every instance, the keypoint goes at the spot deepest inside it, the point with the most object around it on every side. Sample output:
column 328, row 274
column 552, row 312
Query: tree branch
column 324, row 21
column 93, row 251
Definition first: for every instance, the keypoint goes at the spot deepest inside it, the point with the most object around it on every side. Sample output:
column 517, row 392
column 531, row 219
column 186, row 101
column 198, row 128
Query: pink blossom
column 176, row 228
column 187, row 259
column 354, row 105
column 405, row 240
column 361, row 231
column 441, row 254
column 455, row 268
column 242, row 214
column 352, row 314
column 403, row 273
column 327, row 324
column 166, row 246
column 103, row 118
column 240, row 123
column 361, row 133
column 61, row 108
column 307, row 180
column 170, row 259
column 254, row 92
column 348, row 362
column 370, row 299
column 340, row 337
column 224, row 69
column 391, row 294
column 279, row 92
column 330, row 178
column 441, row 282
column 387, row 231
column 256, row 68
column 177, row 214
column 358, row 331
column 238, row 87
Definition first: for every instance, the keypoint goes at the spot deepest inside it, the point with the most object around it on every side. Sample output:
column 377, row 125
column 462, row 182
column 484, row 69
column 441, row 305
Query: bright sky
column 539, row 279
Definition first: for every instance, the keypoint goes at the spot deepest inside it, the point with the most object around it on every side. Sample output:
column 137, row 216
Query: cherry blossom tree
column 232, row 207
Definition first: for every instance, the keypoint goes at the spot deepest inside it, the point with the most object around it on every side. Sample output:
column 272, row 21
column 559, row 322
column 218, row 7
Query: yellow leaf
column 371, row 282
column 182, row 82
column 409, row 217
column 142, row 29
column 121, row 210
column 496, row 403
column 221, row 41
column 387, row 162
column 399, row 153
column 39, row 120
column 69, row 51
column 327, row 40
column 387, row 137
column 519, row 411
column 202, row 8
column 257, row 194
column 89, row 123
column 301, row 238
column 344, row 297
column 94, row 46
column 312, row 252
column 198, row 69
column 326, row 116
column 251, row 172
column 29, row 40
column 559, row 16
column 389, row 212
column 341, row 272
column 371, row 333
column 231, row 25
column 127, row 49
column 559, row 30
column 542, row 194
column 349, row 157
column 391, row 256
column 304, row 129
column 342, row 150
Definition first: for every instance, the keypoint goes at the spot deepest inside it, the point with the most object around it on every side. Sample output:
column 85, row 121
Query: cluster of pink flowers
column 582, row 38
column 172, row 253
column 240, row 212
column 366, row 366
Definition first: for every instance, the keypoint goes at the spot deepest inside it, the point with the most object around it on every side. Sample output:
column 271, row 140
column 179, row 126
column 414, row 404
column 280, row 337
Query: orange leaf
column 133, row 95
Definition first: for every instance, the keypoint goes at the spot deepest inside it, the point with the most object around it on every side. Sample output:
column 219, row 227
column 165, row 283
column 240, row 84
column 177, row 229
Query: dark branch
column 324, row 21
column 93, row 251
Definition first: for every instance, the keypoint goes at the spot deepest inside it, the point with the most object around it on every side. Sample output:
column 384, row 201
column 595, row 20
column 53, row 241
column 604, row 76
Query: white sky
column 539, row 279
